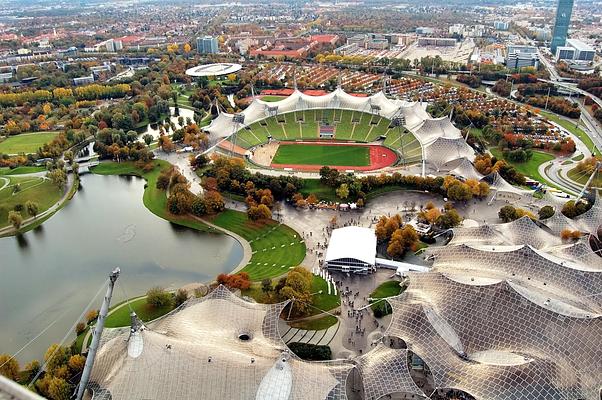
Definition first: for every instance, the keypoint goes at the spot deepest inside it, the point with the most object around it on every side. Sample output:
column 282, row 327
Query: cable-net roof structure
column 385, row 370
column 591, row 220
column 432, row 129
column 494, row 343
column 218, row 347
column 577, row 285
column 523, row 231
column 465, row 169
column 224, row 125
column 443, row 151
column 501, row 187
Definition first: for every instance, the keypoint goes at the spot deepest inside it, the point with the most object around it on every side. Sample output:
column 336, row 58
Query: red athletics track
column 380, row 157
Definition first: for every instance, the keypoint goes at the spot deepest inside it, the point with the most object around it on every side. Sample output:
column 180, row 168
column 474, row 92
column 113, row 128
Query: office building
column 518, row 56
column 501, row 25
column 565, row 53
column 429, row 41
column 583, row 51
column 561, row 26
column 207, row 45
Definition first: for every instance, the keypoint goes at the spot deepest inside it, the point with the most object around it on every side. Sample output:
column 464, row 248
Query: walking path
column 9, row 230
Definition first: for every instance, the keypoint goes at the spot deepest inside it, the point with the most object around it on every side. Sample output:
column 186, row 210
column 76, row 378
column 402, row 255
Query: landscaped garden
column 528, row 168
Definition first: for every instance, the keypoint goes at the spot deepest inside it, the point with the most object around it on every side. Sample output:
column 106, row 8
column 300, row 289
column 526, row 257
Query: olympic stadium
column 339, row 117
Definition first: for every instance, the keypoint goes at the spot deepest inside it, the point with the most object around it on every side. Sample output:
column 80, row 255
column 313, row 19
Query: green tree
column 449, row 219
column 266, row 286
column 158, row 297
column 545, row 212
column 32, row 208
column 459, row 192
column 148, row 138
column 507, row 214
column 15, row 219
column 343, row 191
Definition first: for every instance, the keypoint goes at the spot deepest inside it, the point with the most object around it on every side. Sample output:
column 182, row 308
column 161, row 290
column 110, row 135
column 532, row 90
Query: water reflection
column 57, row 267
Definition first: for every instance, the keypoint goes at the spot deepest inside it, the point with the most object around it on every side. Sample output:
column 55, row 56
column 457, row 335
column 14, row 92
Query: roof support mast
column 589, row 181
column 100, row 323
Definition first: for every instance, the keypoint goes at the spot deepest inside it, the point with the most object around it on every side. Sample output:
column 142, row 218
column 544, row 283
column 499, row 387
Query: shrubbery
column 311, row 352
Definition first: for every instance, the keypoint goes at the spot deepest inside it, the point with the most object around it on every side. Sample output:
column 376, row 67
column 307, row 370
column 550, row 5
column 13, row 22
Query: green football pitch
column 316, row 154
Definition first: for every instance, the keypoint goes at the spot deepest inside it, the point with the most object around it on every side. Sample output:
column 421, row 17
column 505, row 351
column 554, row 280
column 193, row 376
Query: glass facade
column 561, row 26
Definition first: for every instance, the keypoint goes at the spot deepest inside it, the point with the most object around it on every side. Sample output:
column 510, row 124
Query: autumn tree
column 297, row 287
column 32, row 208
column 9, row 367
column 15, row 219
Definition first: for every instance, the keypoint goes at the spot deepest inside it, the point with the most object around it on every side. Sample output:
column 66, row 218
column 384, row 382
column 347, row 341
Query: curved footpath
column 10, row 230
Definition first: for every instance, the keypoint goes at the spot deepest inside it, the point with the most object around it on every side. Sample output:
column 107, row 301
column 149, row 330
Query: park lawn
column 323, row 301
column 386, row 289
column 583, row 178
column 276, row 247
column 309, row 154
column 121, row 317
column 321, row 190
column 270, row 98
column 26, row 142
column 40, row 190
column 154, row 199
column 315, row 324
column 530, row 167
column 570, row 126
column 21, row 170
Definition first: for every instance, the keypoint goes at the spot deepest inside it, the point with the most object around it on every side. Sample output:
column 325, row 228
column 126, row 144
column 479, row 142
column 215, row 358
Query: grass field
column 121, row 317
column 276, row 248
column 583, row 178
column 39, row 190
column 530, row 167
column 21, row 170
column 310, row 154
column 26, row 142
column 270, row 98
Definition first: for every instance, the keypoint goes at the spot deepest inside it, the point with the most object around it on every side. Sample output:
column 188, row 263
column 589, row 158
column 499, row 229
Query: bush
column 157, row 297
column 80, row 328
column 91, row 315
column 546, row 212
column 181, row 297
column 311, row 352
column 381, row 309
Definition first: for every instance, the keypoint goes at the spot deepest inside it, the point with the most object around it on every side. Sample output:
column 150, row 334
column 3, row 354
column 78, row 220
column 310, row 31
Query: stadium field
column 319, row 154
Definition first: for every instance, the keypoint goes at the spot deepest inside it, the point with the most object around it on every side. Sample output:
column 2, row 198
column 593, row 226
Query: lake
column 52, row 272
